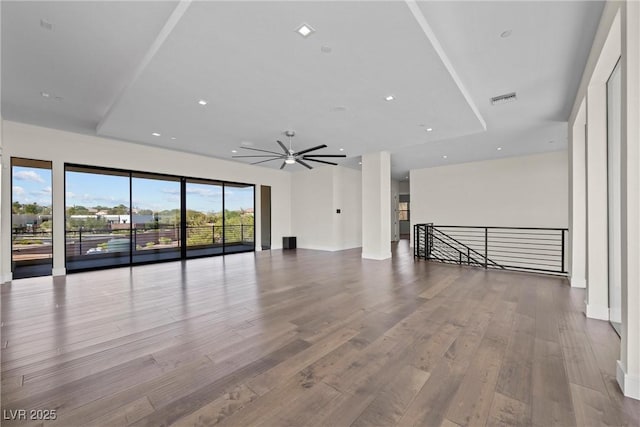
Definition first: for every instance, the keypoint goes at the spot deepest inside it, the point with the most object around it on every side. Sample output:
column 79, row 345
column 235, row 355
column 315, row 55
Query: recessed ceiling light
column 359, row 163
column 173, row 137
column 202, row 102
column 305, row 30
column 444, row 157
column 505, row 34
column 342, row 149
column 155, row 134
column 499, row 148
column 429, row 129
column 234, row 151
column 389, row 98
column 45, row 94
column 406, row 177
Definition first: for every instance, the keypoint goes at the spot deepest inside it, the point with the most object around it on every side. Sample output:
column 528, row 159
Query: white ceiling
column 127, row 69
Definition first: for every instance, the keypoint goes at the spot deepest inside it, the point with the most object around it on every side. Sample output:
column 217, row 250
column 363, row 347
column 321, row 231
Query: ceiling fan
column 289, row 156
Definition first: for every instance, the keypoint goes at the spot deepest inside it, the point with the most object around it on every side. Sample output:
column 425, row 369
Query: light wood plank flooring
column 308, row 338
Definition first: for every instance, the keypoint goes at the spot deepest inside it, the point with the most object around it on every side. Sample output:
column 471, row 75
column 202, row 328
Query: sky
column 89, row 190
column 31, row 185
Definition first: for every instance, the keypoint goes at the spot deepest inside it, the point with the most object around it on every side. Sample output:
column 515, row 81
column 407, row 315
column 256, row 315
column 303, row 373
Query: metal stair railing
column 532, row 249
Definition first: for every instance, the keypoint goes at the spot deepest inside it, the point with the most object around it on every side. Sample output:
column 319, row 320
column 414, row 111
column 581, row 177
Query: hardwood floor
column 307, row 338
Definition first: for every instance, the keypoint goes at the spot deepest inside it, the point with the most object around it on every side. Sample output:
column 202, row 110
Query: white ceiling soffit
column 260, row 77
column 79, row 53
column 128, row 69
column 492, row 144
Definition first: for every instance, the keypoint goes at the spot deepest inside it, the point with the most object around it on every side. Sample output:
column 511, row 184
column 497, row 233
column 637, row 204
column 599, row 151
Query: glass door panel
column 155, row 217
column 31, row 219
column 98, row 218
column 203, row 218
column 238, row 218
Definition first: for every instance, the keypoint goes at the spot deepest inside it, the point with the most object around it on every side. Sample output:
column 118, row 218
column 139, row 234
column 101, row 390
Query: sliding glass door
column 98, row 218
column 155, row 217
column 204, row 207
column 118, row 217
column 31, row 219
column 238, row 218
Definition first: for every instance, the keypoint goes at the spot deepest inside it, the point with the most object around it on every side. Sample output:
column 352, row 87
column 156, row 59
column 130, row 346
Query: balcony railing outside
column 95, row 241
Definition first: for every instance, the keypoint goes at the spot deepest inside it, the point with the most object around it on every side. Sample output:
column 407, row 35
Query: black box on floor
column 288, row 243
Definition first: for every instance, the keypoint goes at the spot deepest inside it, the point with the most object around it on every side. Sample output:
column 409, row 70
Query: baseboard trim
column 377, row 257
column 578, row 283
column 59, row 271
column 629, row 385
column 597, row 312
column 6, row 278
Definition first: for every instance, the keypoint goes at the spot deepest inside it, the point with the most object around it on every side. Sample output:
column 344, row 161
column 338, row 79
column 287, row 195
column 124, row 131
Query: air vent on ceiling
column 503, row 99
column 46, row 24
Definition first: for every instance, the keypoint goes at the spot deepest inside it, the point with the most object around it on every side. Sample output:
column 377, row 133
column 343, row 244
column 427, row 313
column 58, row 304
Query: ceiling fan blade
column 284, row 147
column 317, row 147
column 283, row 165
column 303, row 164
column 262, row 161
column 322, row 161
column 264, row 151
column 324, row 155
column 257, row 155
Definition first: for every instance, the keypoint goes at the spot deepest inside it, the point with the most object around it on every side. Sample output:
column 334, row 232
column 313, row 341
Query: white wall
column 528, row 191
column 21, row 140
column 312, row 208
column 315, row 196
column 348, row 223
column 405, row 187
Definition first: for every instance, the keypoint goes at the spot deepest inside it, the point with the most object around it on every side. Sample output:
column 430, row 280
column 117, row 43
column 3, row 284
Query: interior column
column 578, row 200
column 5, row 214
column 57, row 192
column 376, row 205
column 628, row 369
column 597, row 303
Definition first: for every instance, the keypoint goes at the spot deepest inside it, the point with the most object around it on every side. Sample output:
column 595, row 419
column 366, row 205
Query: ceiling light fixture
column 444, row 157
column 499, row 148
column 290, row 160
column 155, row 134
column 342, row 149
column 234, row 151
column 505, row 34
column 359, row 163
column 305, row 30
column 202, row 102
column 429, row 129
column 173, row 137
column 45, row 94
column 389, row 98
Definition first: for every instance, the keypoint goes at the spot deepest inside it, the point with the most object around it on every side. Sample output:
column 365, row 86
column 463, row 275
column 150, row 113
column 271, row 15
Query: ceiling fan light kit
column 290, row 156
